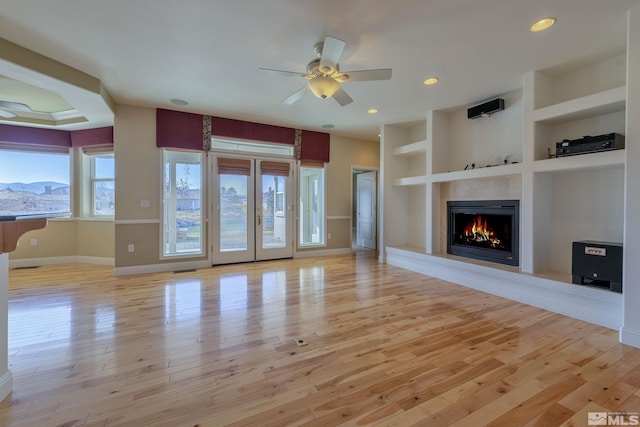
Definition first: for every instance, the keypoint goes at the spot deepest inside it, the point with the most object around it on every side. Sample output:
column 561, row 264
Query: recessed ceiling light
column 543, row 24
column 431, row 81
column 328, row 126
column 176, row 101
column 372, row 110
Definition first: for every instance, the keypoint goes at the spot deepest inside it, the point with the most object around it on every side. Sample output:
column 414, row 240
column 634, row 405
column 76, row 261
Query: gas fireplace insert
column 487, row 230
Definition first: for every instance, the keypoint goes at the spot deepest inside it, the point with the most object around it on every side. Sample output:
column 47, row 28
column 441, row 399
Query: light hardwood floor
column 216, row 347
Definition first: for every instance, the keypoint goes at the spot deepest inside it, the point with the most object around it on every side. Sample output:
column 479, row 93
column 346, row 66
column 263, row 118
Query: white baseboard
column 322, row 252
column 597, row 306
column 161, row 268
column 6, row 384
column 36, row 262
column 630, row 337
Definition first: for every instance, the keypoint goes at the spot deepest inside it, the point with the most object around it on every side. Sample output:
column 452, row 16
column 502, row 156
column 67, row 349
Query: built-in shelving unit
column 591, row 161
column 512, row 155
column 404, row 177
column 486, row 172
column 411, row 149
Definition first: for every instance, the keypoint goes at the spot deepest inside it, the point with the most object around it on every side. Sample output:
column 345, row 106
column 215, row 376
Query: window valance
column 175, row 129
column 56, row 141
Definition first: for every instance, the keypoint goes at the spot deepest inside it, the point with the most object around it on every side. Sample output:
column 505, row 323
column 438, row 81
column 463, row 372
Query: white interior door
column 252, row 210
column 366, row 209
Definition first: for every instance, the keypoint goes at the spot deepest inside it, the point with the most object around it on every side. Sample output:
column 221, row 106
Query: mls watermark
column 613, row 418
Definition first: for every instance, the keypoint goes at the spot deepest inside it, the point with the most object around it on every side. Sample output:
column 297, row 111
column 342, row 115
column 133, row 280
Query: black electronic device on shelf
column 590, row 144
column 597, row 264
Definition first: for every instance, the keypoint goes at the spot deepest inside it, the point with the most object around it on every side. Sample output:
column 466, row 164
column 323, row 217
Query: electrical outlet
column 34, row 242
column 145, row 203
column 329, row 236
column 300, row 342
column 131, row 247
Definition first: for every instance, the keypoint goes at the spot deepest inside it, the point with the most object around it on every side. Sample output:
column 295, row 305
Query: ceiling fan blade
column 365, row 75
column 15, row 105
column 295, row 96
column 6, row 114
column 331, row 53
column 282, row 72
column 342, row 97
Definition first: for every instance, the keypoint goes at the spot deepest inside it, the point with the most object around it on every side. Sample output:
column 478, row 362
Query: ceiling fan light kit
column 324, row 74
column 323, row 87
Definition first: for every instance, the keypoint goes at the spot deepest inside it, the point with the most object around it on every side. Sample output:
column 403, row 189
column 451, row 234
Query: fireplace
column 484, row 229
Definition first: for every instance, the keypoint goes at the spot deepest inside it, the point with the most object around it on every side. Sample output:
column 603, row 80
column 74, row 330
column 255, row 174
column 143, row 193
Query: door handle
column 258, row 219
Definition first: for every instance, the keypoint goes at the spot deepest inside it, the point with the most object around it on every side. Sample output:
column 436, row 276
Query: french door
column 252, row 209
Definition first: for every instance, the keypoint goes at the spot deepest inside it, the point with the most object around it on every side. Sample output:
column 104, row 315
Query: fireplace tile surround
column 496, row 188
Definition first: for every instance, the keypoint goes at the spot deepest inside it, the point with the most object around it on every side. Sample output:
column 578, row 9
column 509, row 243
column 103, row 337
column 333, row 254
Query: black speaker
column 597, row 264
column 485, row 109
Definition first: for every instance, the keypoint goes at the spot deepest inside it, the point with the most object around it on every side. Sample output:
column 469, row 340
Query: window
column 182, row 217
column 102, row 185
column 35, row 182
column 251, row 147
column 312, row 219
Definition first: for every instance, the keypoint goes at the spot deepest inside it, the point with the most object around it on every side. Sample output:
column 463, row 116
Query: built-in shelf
column 487, row 172
column 411, row 149
column 593, row 305
column 581, row 162
column 596, row 104
column 410, row 180
column 408, row 248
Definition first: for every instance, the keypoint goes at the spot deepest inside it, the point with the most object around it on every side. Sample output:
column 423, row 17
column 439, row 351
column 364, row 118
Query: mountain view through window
column 34, row 184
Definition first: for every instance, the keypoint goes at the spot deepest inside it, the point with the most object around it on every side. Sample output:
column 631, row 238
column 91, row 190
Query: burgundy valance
column 240, row 129
column 92, row 137
column 175, row 129
column 315, row 146
column 34, row 136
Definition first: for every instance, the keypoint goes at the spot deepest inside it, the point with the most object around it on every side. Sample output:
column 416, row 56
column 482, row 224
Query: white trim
column 95, row 219
column 592, row 305
column 36, row 262
column 161, row 268
column 322, row 252
column 630, row 337
column 329, row 218
column 6, row 384
column 136, row 221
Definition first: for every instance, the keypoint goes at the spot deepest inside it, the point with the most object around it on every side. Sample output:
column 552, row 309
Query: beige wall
column 345, row 153
column 138, row 177
column 67, row 238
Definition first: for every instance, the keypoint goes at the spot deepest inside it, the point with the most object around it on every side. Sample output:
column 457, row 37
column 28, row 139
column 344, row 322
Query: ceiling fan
column 324, row 75
column 8, row 105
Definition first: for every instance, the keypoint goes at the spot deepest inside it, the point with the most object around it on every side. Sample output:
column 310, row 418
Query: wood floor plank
column 216, row 347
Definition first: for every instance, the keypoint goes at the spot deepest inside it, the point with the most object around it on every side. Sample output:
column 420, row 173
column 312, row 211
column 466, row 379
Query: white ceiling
column 146, row 52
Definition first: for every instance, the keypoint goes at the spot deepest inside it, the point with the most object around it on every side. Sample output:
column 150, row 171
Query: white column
column 6, row 380
column 630, row 332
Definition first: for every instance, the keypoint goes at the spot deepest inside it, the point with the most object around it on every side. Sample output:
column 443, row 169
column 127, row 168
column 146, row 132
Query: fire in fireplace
column 486, row 230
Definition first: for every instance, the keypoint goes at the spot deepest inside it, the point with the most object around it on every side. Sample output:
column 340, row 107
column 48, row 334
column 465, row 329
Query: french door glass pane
column 233, row 213
column 274, row 212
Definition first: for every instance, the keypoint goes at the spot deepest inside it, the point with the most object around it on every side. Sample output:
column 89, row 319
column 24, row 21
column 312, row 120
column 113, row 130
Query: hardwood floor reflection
column 216, row 347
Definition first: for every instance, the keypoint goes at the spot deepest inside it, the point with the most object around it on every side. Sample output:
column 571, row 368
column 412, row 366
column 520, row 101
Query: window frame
column 92, row 180
column 164, row 254
column 302, row 188
column 48, row 150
